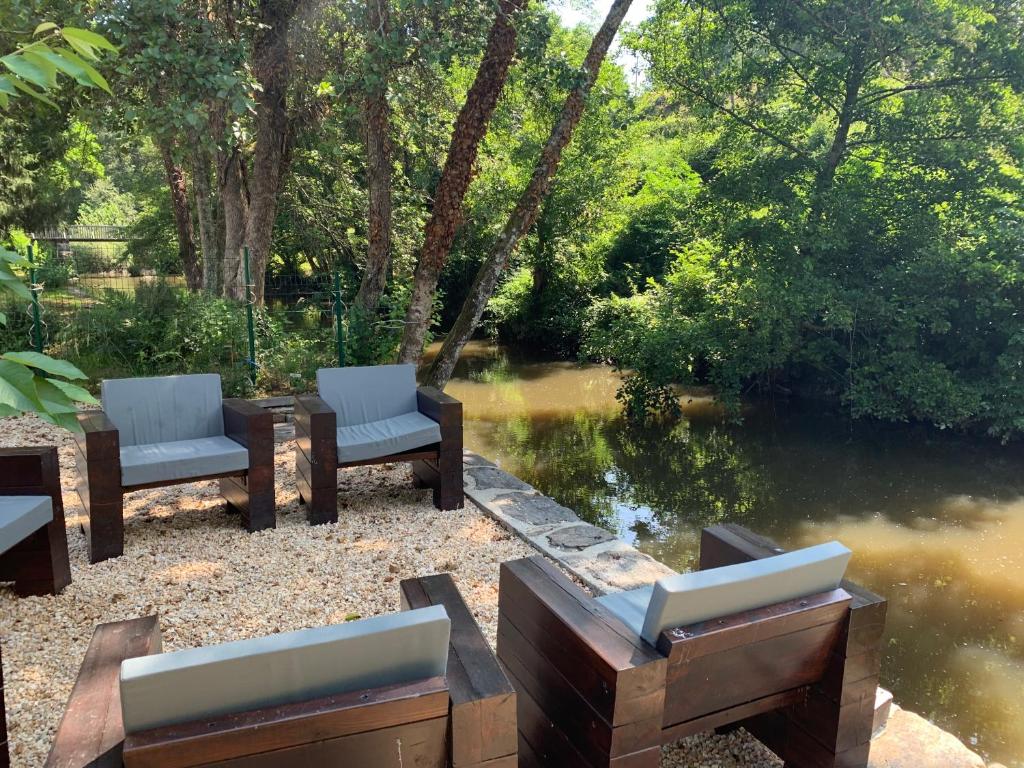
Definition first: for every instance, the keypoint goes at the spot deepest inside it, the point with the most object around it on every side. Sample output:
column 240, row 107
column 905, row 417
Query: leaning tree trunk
column 377, row 124
column 209, row 243
column 446, row 216
column 182, row 219
column 525, row 212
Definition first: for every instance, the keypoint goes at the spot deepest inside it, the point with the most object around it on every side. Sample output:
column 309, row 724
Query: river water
column 936, row 521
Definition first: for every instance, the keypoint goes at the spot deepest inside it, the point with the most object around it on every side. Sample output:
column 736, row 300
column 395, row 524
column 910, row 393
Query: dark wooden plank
column 688, row 643
column 544, row 744
column 99, row 438
column 721, row 680
column 429, row 452
column 5, row 755
column 229, row 737
column 578, row 721
column 91, row 732
column 420, row 744
column 483, row 707
column 733, row 714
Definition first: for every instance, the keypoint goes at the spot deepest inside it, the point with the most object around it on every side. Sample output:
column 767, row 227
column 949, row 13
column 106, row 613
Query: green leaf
column 26, row 69
column 87, row 51
column 6, row 86
column 3, row 319
column 54, row 400
column 72, row 65
column 12, row 283
column 85, row 37
column 45, row 363
column 17, row 387
column 74, row 392
column 46, row 26
column 68, row 421
column 44, row 66
column 6, row 410
column 34, row 94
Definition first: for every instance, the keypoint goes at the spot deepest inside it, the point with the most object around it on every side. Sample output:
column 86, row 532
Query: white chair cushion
column 21, row 516
column 164, row 409
column 383, row 438
column 366, row 394
column 181, row 460
column 170, row 688
column 688, row 598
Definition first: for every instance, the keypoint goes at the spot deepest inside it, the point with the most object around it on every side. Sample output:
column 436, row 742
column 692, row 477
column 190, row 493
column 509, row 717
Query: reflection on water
column 936, row 521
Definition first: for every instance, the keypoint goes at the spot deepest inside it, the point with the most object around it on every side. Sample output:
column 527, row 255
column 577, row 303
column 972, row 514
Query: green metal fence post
column 339, row 325
column 37, row 322
column 250, row 299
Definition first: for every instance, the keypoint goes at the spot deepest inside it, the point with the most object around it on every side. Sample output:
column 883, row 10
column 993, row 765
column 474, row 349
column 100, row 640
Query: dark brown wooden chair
column 375, row 415
column 465, row 719
column 169, row 430
column 33, row 539
column 800, row 674
column 5, row 754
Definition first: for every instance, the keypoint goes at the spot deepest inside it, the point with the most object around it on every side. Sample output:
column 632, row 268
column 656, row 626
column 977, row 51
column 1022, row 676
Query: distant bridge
column 83, row 233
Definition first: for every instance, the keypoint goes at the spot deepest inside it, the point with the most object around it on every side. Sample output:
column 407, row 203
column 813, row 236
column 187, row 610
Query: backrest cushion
column 164, row 409
column 688, row 598
column 368, row 393
column 183, row 686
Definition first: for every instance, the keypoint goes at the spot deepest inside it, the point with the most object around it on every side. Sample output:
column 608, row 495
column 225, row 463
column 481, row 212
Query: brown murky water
column 936, row 521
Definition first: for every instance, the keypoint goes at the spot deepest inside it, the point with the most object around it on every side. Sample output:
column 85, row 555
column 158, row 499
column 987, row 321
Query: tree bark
column 525, row 212
column 826, row 174
column 234, row 201
column 182, row 219
column 470, row 128
column 377, row 124
column 272, row 66
column 209, row 244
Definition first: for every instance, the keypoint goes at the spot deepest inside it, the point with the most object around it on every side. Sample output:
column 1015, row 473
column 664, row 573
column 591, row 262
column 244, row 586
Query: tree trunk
column 377, row 124
column 470, row 128
column 272, row 66
column 234, row 200
column 525, row 212
column 182, row 219
column 209, row 243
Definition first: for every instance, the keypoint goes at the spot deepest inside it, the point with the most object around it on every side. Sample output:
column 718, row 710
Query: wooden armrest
column 30, row 471
column 446, row 411
column 547, row 623
column 91, row 733
column 483, row 701
column 247, row 423
column 310, row 409
column 99, row 439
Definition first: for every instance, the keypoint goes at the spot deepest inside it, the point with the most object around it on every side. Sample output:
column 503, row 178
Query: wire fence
column 113, row 314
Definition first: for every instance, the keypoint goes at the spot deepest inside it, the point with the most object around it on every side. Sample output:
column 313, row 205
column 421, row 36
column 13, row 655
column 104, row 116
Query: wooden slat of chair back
column 392, row 725
column 753, row 656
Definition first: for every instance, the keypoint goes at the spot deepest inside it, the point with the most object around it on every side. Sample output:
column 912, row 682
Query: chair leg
column 39, row 564
column 449, row 493
column 322, row 506
column 252, row 496
column 5, row 755
column 104, row 529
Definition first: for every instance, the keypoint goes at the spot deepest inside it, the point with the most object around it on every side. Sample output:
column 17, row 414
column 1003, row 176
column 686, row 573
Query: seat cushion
column 181, row 460
column 366, row 394
column 164, row 409
column 688, row 598
column 179, row 687
column 387, row 436
column 21, row 516
column 630, row 606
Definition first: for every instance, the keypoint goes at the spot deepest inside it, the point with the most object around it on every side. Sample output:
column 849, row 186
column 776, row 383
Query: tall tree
column 182, row 210
column 377, row 127
column 528, row 205
column 446, row 215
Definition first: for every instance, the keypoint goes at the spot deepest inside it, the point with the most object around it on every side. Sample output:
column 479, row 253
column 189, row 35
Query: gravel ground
column 210, row 581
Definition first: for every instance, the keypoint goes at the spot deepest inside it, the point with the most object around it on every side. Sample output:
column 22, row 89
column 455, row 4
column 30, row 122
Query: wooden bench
column 800, row 674
column 466, row 720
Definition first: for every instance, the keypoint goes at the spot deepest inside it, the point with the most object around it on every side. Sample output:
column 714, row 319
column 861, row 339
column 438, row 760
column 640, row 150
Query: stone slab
column 910, row 741
column 579, row 537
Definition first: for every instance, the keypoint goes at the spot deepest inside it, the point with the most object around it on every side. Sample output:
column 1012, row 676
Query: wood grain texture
column 5, row 754
column 287, row 728
column 483, row 701
column 91, row 732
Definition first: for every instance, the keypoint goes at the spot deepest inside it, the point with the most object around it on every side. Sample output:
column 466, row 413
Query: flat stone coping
column 606, row 564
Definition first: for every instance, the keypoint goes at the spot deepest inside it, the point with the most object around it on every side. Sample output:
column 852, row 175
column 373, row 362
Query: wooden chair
column 33, row 539
column 5, row 754
column 375, row 415
column 799, row 672
column 169, row 430
column 419, row 688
